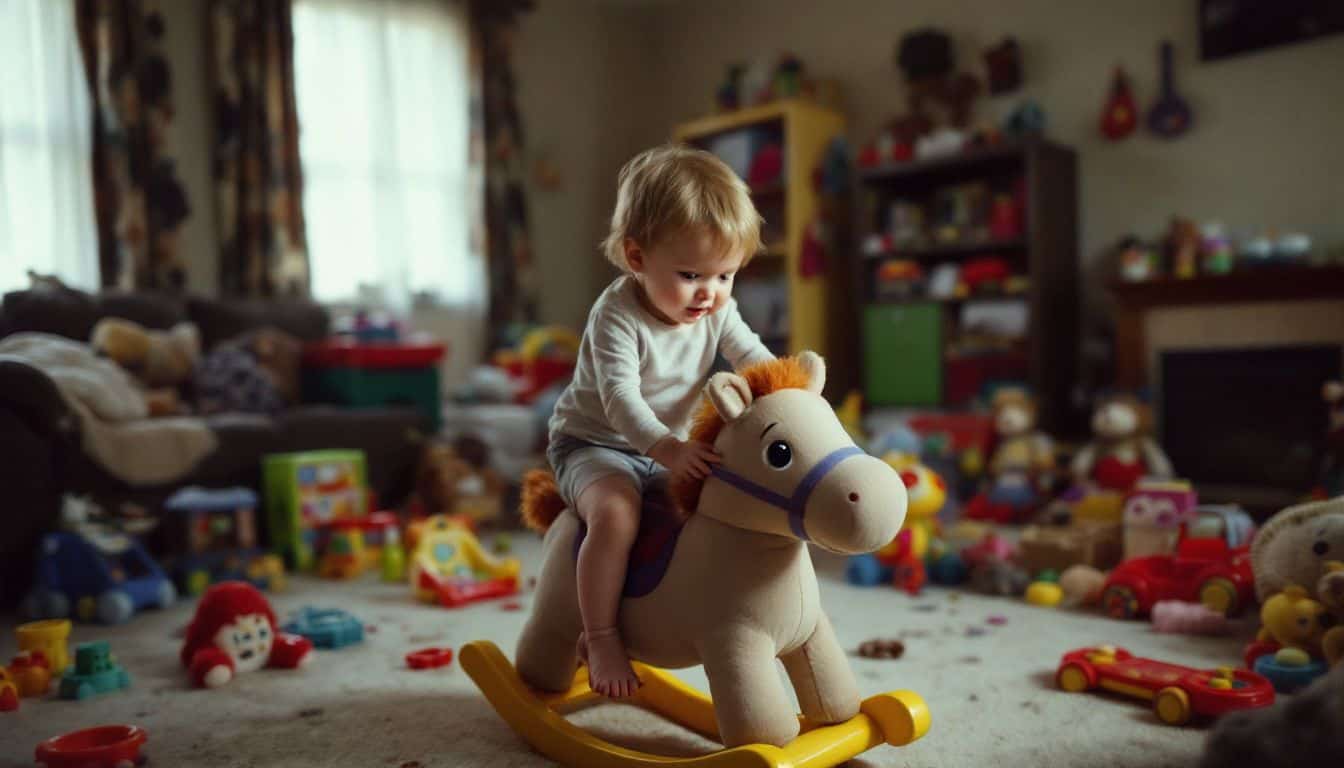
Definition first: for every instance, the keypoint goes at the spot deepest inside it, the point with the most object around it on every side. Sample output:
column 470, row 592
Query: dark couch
column 40, row 455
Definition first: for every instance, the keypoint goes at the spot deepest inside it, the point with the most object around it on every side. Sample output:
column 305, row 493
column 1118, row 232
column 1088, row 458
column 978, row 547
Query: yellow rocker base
column 895, row 718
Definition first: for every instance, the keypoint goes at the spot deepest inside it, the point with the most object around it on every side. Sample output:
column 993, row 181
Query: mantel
column 1267, row 284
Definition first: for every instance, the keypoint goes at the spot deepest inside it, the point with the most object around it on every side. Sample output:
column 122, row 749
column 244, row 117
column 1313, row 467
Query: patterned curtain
column 140, row 202
column 258, row 183
column 512, row 273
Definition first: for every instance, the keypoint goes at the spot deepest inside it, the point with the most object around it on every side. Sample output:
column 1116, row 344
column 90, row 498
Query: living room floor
column 989, row 686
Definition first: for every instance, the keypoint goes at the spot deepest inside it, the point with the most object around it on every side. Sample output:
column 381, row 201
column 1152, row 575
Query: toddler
column 684, row 225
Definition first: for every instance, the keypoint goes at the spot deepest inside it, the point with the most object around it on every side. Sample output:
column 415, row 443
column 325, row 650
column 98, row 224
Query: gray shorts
column 578, row 464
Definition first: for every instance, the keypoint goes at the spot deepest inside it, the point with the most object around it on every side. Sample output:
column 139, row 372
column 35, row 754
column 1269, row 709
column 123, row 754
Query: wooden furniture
column 1134, row 300
column 808, row 314
column 909, row 357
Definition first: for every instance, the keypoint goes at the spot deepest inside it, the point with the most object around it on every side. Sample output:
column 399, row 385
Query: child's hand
column 682, row 458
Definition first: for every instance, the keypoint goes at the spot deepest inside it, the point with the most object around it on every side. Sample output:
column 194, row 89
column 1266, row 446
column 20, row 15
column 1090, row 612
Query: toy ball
column 1044, row 593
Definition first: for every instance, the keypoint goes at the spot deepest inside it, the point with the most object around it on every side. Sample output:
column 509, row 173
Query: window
column 389, row 195
column 46, row 186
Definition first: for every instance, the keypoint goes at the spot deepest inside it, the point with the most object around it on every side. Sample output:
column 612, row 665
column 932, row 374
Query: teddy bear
column 1296, row 546
column 159, row 360
column 1121, row 450
column 234, row 631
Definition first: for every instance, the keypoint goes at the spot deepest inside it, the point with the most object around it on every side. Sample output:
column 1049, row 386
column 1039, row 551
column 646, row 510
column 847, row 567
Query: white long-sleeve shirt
column 638, row 379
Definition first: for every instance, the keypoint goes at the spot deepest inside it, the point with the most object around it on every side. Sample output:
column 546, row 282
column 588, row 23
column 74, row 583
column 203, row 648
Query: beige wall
column 1264, row 151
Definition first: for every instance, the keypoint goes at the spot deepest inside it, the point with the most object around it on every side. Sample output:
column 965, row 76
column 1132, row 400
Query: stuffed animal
column 1296, row 546
column 234, row 631
column 1023, row 456
column 1121, row 450
column 156, row 358
column 1330, row 591
column 1294, row 620
column 732, row 586
column 457, row 479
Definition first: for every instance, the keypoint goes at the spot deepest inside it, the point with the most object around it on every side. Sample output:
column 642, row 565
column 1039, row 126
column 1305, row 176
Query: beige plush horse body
column 739, row 590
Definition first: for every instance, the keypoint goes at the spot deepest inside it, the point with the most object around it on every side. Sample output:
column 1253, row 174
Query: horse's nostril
column 853, row 497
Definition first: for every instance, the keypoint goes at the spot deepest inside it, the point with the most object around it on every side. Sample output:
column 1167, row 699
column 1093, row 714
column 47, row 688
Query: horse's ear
column 815, row 368
column 729, row 393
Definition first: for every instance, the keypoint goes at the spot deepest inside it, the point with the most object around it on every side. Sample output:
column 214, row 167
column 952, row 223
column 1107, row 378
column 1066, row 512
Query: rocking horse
column 731, row 587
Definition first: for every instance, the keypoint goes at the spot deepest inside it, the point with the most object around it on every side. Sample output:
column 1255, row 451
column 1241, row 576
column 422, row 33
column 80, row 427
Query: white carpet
column 992, row 695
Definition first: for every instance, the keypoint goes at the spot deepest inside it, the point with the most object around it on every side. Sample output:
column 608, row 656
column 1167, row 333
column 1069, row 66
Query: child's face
column 686, row 277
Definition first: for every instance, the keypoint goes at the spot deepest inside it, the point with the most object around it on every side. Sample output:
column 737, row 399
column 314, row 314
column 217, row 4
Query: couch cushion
column 222, row 319
column 72, row 313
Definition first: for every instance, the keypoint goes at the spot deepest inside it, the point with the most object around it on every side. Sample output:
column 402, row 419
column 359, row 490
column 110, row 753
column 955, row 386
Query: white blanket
column 116, row 431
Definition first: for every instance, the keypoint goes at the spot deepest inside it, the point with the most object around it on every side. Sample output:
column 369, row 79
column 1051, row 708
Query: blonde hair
column 671, row 188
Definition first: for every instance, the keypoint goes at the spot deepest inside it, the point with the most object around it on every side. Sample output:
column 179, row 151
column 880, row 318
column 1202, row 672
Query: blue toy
column 107, row 576
column 216, row 534
column 1288, row 678
column 948, row 570
column 95, row 672
column 327, row 628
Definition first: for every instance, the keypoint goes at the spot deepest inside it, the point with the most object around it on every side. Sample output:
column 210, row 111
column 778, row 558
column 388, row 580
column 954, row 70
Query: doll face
column 247, row 641
column 1012, row 420
column 1115, row 420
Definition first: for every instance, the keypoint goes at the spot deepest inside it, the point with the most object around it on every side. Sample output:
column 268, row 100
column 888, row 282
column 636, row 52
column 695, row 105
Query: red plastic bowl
column 104, row 746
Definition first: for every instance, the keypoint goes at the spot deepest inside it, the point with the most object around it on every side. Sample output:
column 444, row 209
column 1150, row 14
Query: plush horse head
column 732, row 585
column 789, row 467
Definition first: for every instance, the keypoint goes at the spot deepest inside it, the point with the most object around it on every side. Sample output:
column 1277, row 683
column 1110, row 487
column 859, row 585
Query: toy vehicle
column 1178, row 693
column 106, row 746
column 95, row 672
column 451, row 568
column 110, row 579
column 1205, row 571
column 216, row 534
column 327, row 628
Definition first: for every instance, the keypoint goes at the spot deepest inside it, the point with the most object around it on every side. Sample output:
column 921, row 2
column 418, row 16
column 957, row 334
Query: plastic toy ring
column 104, row 746
column 429, row 658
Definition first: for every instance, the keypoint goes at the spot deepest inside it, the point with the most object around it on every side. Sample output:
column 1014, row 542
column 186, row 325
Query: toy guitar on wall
column 1170, row 116
column 1120, row 116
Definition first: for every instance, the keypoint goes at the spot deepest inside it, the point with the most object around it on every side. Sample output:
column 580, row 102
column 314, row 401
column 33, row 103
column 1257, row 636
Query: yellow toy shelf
column 897, row 718
column 817, row 317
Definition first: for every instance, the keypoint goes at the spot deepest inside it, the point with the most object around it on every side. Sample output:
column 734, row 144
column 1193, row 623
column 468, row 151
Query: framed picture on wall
column 1233, row 27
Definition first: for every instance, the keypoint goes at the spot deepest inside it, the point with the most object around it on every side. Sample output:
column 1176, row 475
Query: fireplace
column 1246, row 425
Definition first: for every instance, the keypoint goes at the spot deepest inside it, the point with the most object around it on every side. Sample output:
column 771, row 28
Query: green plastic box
column 304, row 490
column 903, row 354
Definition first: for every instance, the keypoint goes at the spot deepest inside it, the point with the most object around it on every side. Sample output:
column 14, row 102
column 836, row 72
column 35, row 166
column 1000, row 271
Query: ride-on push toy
column 896, row 718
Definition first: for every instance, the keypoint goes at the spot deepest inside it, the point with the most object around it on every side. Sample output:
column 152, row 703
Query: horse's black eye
column 778, row 454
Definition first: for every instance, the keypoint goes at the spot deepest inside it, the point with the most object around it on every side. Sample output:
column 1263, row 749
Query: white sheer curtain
column 383, row 92
column 46, row 188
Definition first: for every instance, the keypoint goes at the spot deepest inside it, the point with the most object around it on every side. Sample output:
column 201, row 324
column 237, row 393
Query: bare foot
column 609, row 670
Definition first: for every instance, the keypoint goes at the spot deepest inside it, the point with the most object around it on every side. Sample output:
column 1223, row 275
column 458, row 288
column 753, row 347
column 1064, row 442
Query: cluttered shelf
column 1268, row 283
column 975, row 160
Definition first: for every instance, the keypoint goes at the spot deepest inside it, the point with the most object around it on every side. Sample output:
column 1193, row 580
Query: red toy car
column 1177, row 692
column 1206, row 571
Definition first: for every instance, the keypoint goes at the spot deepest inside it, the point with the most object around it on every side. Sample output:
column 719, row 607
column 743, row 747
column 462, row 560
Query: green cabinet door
column 903, row 354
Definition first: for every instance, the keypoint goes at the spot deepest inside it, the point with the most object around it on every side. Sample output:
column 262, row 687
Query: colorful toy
column 327, row 628
column 234, row 631
column 342, row 550
column 109, row 578
column 216, row 534
column 392, row 561
column 1290, row 669
column 304, row 490
column 1292, row 619
column 95, row 671
column 105, row 746
column 715, row 587
column 49, row 638
column 544, row 356
column 451, row 568
column 9, row 692
column 31, row 672
column 347, row 372
column 1202, row 570
column 1021, row 464
column 429, row 658
column 901, row 561
column 1138, row 260
column 1178, row 617
column 1121, row 451
column 1154, row 514
column 1178, row 693
column 1047, row 594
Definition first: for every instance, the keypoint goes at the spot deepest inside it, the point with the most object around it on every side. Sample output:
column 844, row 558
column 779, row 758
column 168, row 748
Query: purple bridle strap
column 795, row 505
